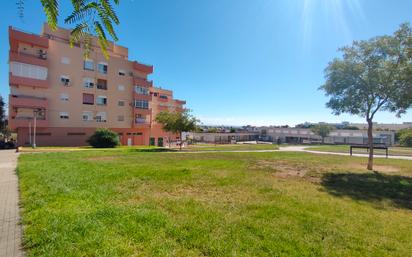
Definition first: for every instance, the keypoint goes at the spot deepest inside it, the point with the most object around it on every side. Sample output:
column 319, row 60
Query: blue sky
column 239, row 62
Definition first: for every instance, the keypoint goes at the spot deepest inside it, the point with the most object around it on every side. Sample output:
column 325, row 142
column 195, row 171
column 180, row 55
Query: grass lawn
column 132, row 203
column 230, row 147
column 403, row 151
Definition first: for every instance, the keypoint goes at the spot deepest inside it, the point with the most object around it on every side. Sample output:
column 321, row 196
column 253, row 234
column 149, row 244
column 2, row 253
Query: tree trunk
column 181, row 141
column 370, row 144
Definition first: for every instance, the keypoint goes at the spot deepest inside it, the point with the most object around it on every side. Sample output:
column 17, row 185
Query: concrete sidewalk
column 10, row 230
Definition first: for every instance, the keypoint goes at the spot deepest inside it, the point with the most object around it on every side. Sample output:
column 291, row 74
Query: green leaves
column 372, row 75
column 176, row 122
column 89, row 17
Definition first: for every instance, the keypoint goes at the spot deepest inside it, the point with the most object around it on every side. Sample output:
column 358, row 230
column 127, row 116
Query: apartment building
column 71, row 96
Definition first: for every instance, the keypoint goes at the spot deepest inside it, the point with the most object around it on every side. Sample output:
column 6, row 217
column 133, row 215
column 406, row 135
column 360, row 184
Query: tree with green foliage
column 372, row 75
column 177, row 122
column 89, row 18
column 405, row 139
column 322, row 130
column 2, row 114
column 104, row 138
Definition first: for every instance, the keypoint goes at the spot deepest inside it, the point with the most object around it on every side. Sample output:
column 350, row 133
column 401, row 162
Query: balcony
column 163, row 100
column 142, row 82
column 147, row 69
column 142, row 97
column 23, row 101
column 23, row 122
column 180, row 102
column 40, row 59
column 141, row 111
column 16, row 35
column 141, row 123
column 28, row 82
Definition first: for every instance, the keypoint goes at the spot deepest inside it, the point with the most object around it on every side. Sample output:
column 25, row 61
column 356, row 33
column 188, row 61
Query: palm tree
column 89, row 17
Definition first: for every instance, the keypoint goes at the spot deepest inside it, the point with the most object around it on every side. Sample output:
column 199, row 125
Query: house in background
column 71, row 97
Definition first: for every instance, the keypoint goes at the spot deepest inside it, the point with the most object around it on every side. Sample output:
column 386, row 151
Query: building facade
column 68, row 97
column 340, row 136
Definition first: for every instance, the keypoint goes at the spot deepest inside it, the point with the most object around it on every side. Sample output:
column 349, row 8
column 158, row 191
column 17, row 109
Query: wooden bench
column 382, row 147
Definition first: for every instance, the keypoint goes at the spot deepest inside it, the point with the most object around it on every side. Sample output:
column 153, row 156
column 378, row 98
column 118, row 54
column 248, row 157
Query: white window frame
column 64, row 97
column 65, row 60
column 88, row 61
column 121, row 101
column 143, row 104
column 101, row 117
column 102, row 71
column 141, row 90
column 120, row 87
column 89, row 115
column 101, row 97
column 64, row 115
column 88, row 82
column 28, row 70
column 65, row 80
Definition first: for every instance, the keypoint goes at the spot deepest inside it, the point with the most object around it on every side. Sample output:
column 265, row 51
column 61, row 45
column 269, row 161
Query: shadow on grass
column 153, row 150
column 372, row 187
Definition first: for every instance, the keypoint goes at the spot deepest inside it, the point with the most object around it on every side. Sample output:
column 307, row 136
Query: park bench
column 382, row 147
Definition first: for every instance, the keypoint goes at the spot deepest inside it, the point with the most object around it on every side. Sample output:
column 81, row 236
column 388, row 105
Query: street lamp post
column 35, row 112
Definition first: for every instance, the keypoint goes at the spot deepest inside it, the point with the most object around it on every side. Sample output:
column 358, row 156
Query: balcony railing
column 28, row 101
column 28, row 37
column 34, row 59
column 24, row 121
column 148, row 69
column 29, row 82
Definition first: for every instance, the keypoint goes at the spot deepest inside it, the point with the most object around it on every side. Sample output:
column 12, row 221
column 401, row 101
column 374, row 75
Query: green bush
column 405, row 139
column 104, row 138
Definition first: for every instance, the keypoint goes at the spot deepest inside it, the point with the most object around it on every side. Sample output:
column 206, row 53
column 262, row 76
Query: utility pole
column 30, row 132
column 34, row 128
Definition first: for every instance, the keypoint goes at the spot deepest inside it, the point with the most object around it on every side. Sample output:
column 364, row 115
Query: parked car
column 7, row 145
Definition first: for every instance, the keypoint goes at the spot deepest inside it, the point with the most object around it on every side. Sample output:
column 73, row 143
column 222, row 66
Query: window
column 120, row 103
column 101, row 100
column 88, row 65
column 28, row 70
column 64, row 115
column 64, row 97
column 88, row 82
column 87, row 116
column 141, row 90
column 102, row 84
column 101, row 117
column 102, row 68
column 142, row 104
column 139, row 119
column 163, row 96
column 120, row 87
column 65, row 80
column 88, row 99
column 65, row 60
column 120, row 118
column 122, row 73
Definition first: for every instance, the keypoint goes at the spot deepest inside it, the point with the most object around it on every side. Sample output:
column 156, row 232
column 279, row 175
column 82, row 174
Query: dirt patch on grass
column 286, row 169
column 102, row 158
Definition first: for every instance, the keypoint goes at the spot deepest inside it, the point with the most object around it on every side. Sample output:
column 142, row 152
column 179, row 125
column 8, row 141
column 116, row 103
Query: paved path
column 296, row 149
column 303, row 149
column 10, row 230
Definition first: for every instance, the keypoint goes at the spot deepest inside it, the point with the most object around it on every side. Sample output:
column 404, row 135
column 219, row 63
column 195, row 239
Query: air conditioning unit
column 65, row 81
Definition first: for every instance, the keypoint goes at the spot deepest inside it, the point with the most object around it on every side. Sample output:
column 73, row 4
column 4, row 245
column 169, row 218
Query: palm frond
column 51, row 9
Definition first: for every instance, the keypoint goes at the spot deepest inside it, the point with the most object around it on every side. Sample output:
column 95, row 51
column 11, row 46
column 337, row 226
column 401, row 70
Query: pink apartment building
column 71, row 96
